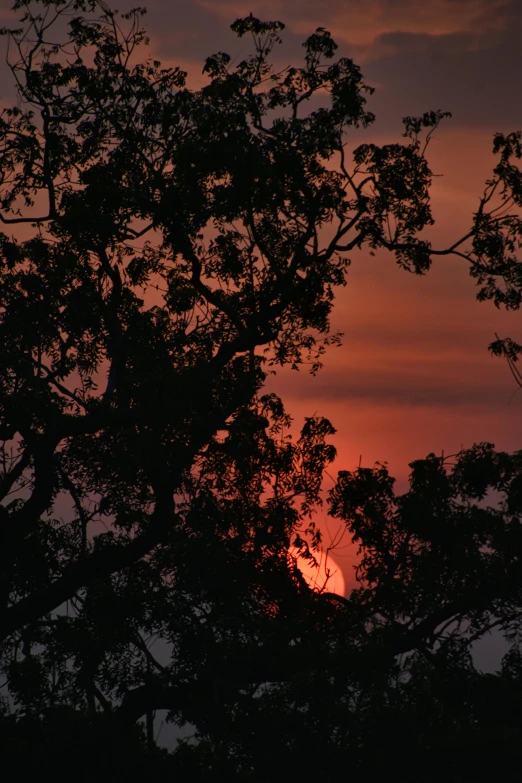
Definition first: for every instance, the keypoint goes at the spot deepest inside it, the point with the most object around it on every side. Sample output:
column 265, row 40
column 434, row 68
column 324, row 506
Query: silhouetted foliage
column 183, row 242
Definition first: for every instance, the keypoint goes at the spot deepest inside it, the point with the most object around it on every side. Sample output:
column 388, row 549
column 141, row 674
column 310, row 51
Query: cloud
column 359, row 22
column 443, row 385
column 474, row 72
column 185, row 30
column 459, row 55
column 479, row 87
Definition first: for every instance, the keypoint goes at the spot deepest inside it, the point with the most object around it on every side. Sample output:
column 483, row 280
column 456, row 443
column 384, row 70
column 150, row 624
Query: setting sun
column 326, row 576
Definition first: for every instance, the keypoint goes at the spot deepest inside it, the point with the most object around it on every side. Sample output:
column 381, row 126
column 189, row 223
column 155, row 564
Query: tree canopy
column 182, row 243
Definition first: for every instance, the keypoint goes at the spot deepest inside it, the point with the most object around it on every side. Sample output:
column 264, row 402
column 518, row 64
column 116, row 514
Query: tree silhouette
column 183, row 242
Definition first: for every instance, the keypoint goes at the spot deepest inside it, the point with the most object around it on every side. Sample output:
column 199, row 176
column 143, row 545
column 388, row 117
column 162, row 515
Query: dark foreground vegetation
column 164, row 249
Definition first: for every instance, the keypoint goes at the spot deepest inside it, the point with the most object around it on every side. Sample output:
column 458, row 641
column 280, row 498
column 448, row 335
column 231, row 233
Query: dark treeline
column 163, row 249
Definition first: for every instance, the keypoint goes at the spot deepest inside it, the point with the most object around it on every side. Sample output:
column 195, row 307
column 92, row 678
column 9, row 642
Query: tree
column 204, row 201
column 183, row 243
column 384, row 680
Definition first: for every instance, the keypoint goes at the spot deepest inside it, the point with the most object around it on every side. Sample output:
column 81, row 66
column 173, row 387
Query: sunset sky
column 413, row 374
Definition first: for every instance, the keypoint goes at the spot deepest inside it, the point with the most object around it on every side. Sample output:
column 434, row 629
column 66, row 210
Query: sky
column 413, row 374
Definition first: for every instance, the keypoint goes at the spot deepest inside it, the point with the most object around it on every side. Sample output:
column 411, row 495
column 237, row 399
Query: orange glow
column 326, row 576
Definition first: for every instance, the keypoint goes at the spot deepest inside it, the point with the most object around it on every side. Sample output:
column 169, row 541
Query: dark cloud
column 435, row 386
column 475, row 74
column 460, row 55
column 358, row 21
column 185, row 30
